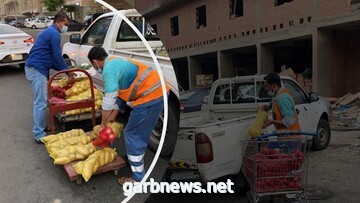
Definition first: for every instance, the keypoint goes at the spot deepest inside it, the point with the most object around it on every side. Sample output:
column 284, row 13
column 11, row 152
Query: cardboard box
column 299, row 77
column 204, row 80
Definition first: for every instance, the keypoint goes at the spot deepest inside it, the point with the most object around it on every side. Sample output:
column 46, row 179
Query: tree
column 52, row 5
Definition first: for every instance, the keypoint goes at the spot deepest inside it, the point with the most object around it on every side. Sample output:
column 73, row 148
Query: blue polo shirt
column 46, row 53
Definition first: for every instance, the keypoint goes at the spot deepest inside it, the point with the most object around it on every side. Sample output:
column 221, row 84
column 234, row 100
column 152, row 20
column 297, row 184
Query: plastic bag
column 257, row 126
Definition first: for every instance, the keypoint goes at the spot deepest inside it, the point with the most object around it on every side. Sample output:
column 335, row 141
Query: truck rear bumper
column 181, row 175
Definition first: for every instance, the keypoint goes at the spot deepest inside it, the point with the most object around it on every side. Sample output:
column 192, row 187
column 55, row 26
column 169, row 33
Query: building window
column 201, row 17
column 281, row 2
column 236, row 8
column 174, row 23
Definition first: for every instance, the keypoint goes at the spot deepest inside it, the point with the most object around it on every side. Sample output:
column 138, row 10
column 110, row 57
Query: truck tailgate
column 227, row 138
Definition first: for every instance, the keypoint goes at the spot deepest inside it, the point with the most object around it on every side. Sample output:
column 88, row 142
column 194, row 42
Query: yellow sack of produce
column 94, row 132
column 72, row 153
column 257, row 126
column 60, row 144
column 78, row 87
column 63, row 82
column 98, row 159
column 116, row 128
column 82, row 96
column 63, row 135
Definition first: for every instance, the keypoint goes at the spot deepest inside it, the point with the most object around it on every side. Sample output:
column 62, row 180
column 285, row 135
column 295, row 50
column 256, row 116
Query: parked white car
column 36, row 24
column 48, row 23
column 14, row 45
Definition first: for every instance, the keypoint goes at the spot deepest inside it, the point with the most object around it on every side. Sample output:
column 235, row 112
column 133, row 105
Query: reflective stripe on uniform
column 137, row 168
column 135, row 158
column 153, row 88
column 138, row 83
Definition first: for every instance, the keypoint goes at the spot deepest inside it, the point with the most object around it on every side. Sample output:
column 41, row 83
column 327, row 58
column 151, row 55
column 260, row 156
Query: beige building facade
column 21, row 8
column 243, row 37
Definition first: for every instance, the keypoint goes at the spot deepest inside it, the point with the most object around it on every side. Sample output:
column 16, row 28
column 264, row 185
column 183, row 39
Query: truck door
column 94, row 36
column 308, row 112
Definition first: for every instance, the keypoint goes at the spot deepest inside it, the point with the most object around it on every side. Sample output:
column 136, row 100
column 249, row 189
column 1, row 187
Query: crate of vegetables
column 67, row 91
column 277, row 163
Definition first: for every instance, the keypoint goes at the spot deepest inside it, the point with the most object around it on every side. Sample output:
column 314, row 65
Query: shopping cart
column 276, row 164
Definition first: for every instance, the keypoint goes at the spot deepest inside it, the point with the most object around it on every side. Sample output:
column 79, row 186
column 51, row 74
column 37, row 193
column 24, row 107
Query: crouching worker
column 126, row 80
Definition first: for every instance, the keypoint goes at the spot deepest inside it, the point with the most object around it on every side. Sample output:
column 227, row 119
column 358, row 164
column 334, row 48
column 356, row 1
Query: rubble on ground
column 346, row 111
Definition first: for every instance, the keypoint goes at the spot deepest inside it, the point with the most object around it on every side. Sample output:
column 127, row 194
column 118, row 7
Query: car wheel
column 33, row 27
column 171, row 132
column 324, row 135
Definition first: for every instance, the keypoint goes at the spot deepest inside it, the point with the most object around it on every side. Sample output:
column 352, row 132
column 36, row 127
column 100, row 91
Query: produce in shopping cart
column 271, row 170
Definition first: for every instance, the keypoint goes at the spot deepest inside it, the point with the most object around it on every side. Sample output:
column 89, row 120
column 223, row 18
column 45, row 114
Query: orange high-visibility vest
column 279, row 117
column 145, row 87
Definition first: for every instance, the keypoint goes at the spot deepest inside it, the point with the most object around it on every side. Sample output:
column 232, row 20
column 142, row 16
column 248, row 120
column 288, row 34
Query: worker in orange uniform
column 285, row 116
column 128, row 80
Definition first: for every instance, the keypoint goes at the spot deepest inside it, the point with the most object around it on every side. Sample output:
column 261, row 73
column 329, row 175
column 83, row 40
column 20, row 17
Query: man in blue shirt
column 45, row 55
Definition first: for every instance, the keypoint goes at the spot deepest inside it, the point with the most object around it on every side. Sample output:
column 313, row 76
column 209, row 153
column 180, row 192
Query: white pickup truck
column 119, row 40
column 210, row 141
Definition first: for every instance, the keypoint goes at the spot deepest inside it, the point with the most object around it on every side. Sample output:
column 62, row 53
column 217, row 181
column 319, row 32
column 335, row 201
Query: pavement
column 28, row 173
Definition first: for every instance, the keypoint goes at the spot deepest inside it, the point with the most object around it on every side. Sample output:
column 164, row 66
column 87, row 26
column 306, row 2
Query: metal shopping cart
column 276, row 165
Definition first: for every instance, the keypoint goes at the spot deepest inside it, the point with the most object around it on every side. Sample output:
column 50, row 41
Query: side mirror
column 313, row 97
column 75, row 38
